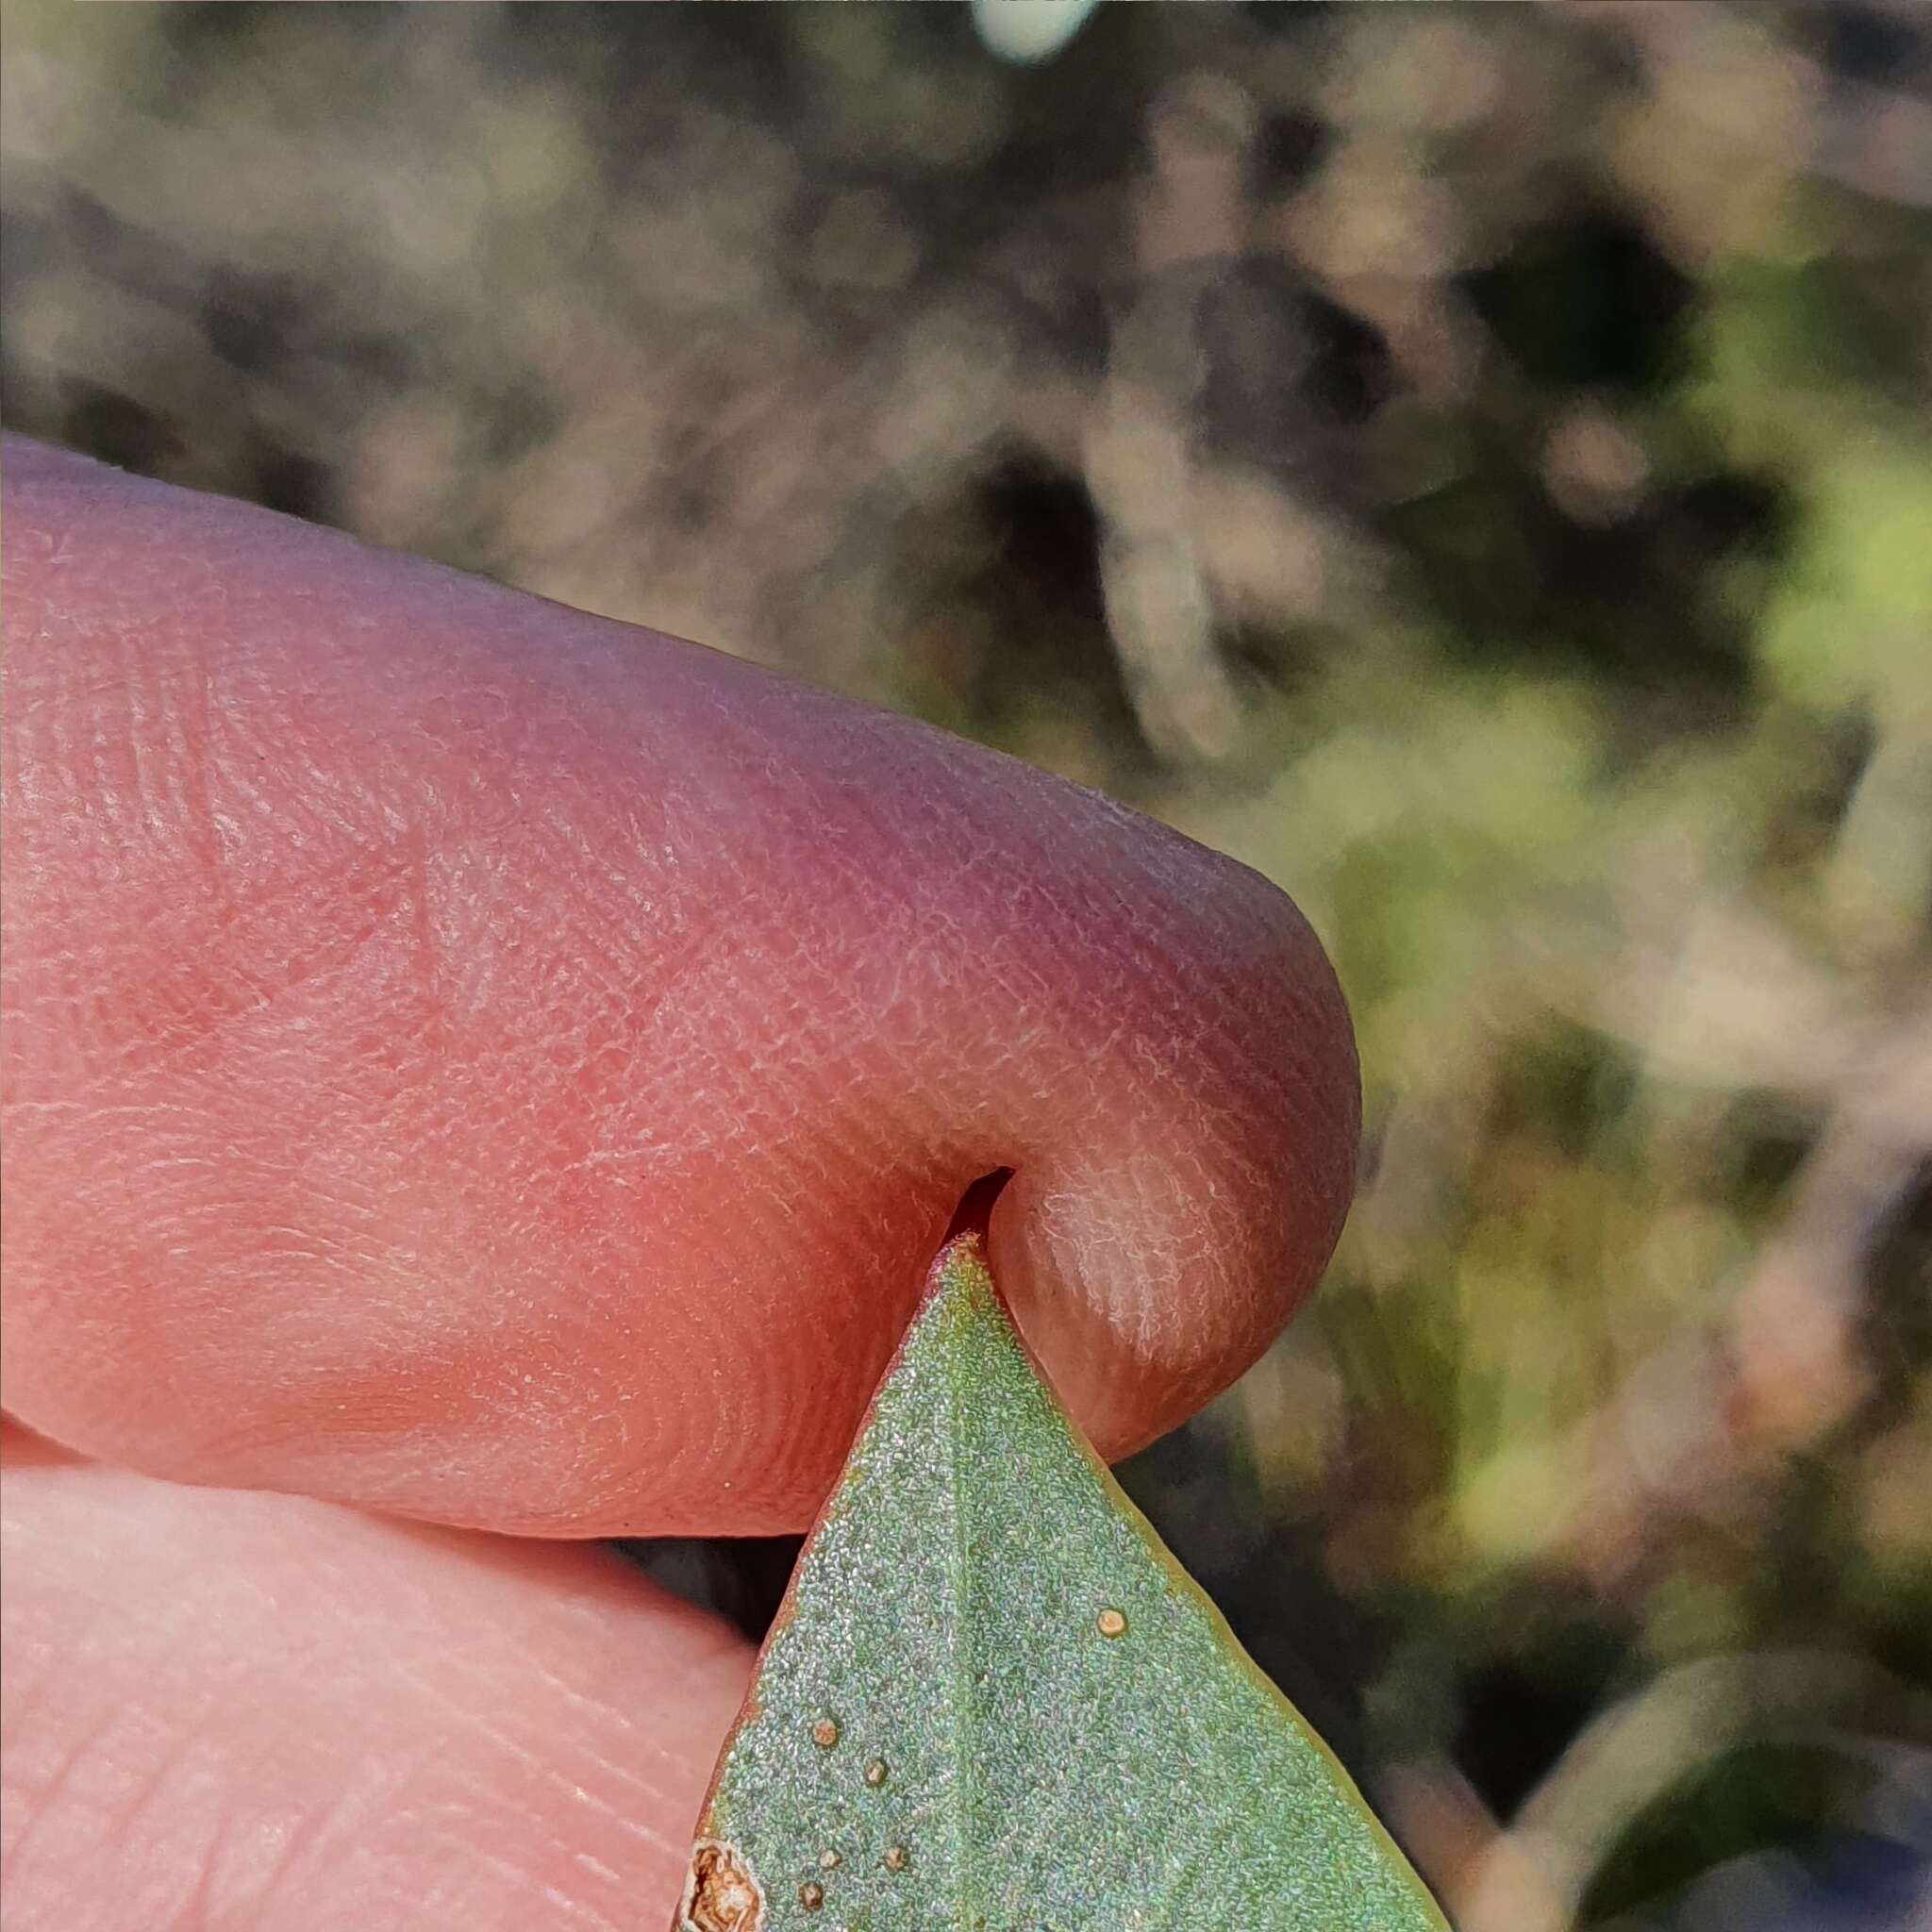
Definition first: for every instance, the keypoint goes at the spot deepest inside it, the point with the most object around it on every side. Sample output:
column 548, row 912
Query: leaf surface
column 994, row 1702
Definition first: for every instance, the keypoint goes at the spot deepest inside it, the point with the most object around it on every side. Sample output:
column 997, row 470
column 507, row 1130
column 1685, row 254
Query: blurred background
column 1475, row 465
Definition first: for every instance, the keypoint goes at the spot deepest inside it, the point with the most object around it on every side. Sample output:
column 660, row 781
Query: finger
column 478, row 1060
column 234, row 1710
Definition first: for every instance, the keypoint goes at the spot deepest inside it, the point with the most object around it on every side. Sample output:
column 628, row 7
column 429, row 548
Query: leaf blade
column 993, row 1701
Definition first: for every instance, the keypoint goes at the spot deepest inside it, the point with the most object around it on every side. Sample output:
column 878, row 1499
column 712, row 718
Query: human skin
column 473, row 1062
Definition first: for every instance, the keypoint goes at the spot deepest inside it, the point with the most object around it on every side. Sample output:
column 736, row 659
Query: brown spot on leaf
column 875, row 1772
column 812, row 1894
column 897, row 1857
column 1111, row 1623
column 721, row 1894
column 825, row 1734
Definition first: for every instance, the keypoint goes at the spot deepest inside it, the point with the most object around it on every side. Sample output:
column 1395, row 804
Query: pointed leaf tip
column 992, row 1701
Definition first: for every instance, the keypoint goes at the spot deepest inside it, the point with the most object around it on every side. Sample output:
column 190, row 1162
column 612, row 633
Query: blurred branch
column 1533, row 1876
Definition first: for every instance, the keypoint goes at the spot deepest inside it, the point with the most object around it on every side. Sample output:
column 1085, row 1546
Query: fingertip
column 252, row 1710
column 1154, row 1257
column 477, row 1060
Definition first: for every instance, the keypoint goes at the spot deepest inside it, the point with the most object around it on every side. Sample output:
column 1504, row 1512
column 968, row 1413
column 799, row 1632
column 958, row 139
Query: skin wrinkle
column 255, row 1869
column 198, row 1908
column 38, row 1800
column 534, row 1756
column 104, row 1751
column 168, row 1775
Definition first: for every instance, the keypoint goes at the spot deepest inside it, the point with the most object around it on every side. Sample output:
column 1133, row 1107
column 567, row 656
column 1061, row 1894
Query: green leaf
column 994, row 1702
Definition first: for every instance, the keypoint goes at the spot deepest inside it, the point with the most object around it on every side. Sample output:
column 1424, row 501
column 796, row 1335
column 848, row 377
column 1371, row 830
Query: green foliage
column 993, row 1699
